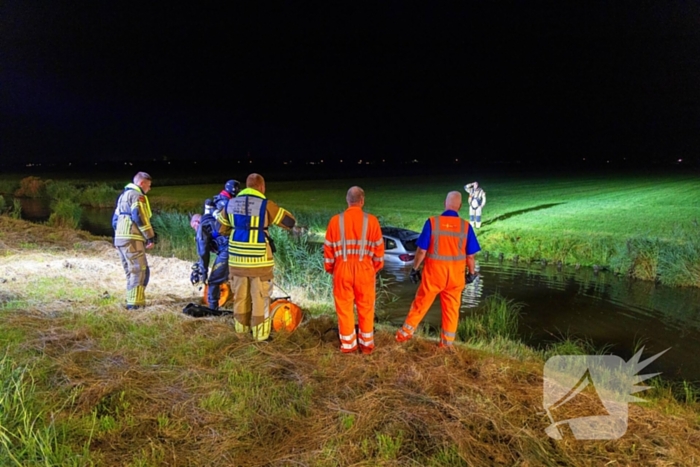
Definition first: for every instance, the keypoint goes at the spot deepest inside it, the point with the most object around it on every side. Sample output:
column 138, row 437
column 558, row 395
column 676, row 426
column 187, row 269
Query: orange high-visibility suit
column 444, row 273
column 354, row 252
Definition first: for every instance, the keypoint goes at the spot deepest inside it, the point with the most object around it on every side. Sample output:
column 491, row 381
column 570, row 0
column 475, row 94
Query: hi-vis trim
column 262, row 331
column 136, row 296
column 437, row 233
column 352, row 242
column 280, row 214
column 356, row 251
column 366, row 339
column 254, row 224
column 344, row 242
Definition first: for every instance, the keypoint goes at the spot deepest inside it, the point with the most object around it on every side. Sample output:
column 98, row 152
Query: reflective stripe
column 363, row 241
column 343, row 243
column 367, row 335
column 348, row 346
column 404, row 333
column 348, row 337
column 352, row 242
column 449, row 334
column 408, row 327
column 446, row 342
column 327, row 260
column 365, row 343
column 366, row 338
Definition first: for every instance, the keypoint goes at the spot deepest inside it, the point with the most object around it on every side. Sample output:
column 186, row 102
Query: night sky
column 496, row 81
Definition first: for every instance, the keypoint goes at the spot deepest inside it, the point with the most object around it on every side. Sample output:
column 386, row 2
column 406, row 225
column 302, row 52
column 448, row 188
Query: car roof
column 401, row 234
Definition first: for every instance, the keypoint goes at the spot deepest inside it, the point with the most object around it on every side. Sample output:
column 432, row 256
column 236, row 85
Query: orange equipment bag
column 285, row 315
column 226, row 293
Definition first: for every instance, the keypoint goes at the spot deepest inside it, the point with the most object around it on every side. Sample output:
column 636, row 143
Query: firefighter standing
column 354, row 253
column 133, row 235
column 477, row 201
column 247, row 218
column 209, row 241
column 447, row 244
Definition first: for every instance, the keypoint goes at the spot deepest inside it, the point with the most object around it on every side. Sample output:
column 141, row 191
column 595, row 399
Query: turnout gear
column 415, row 276
column 443, row 274
column 209, row 241
column 246, row 220
column 353, row 252
column 133, row 233
column 477, row 201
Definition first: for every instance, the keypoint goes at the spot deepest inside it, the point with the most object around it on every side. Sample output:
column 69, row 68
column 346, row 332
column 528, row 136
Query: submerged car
column 399, row 246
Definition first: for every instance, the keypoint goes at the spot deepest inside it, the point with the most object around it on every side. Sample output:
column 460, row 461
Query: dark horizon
column 540, row 83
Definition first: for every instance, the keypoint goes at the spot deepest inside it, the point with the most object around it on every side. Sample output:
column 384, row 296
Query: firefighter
column 477, row 201
column 209, row 241
column 353, row 253
column 246, row 220
column 447, row 244
column 133, row 235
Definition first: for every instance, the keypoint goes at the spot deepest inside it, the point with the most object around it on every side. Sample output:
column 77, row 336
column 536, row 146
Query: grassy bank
column 86, row 383
column 644, row 227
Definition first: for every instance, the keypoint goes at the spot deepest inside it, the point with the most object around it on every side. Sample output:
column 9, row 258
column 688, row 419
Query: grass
column 613, row 222
column 88, row 383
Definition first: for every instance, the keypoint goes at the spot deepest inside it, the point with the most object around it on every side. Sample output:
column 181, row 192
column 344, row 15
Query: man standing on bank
column 133, row 235
column 476, row 201
column 353, row 253
column 447, row 244
column 245, row 220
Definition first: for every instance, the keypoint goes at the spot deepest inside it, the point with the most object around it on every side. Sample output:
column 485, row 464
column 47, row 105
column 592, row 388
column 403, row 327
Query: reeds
column 495, row 316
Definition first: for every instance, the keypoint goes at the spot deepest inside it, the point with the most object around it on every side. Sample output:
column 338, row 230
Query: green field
column 646, row 227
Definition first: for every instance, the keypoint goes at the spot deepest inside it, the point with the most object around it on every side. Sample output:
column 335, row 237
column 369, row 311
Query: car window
column 410, row 245
column 389, row 244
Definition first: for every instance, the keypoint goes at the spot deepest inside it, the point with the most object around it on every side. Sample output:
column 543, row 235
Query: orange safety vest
column 367, row 248
column 449, row 242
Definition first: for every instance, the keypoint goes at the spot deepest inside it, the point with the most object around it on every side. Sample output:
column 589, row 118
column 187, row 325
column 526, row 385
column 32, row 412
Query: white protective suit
column 477, row 201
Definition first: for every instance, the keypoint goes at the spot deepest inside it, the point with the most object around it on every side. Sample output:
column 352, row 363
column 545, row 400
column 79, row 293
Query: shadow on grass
column 521, row 211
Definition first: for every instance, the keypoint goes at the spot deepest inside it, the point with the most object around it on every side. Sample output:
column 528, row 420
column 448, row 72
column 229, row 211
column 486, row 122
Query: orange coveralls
column 354, row 252
column 443, row 274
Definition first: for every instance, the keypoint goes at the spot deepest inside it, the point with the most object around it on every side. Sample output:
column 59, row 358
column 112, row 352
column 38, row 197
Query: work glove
column 196, row 275
column 471, row 277
column 415, row 276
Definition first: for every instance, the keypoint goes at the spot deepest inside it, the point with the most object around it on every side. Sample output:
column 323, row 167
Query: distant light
column 285, row 162
column 607, row 162
column 584, row 158
column 680, row 160
column 360, row 161
column 383, row 160
column 95, row 163
column 456, row 160
column 341, row 161
column 69, row 164
column 195, row 162
column 168, row 163
column 250, row 162
column 321, row 161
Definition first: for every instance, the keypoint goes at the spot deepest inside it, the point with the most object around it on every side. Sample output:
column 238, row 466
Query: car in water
column 399, row 246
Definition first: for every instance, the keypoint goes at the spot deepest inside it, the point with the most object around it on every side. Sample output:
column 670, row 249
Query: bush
column 100, row 196
column 31, row 187
column 8, row 187
column 58, row 190
column 66, row 213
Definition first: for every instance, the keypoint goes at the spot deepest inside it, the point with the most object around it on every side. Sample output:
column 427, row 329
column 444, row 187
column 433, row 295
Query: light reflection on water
column 603, row 307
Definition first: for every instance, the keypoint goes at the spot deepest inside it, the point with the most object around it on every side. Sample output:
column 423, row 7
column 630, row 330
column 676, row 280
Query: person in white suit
column 477, row 201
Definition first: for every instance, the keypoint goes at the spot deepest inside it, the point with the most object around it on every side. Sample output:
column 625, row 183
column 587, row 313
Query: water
column 97, row 221
column 604, row 308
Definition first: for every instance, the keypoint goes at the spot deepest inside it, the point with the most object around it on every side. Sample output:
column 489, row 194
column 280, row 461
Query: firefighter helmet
column 232, row 187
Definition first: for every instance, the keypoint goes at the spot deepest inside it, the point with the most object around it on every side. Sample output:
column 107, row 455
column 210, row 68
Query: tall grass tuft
column 494, row 317
column 175, row 236
column 99, row 195
column 27, row 435
column 65, row 213
column 299, row 262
